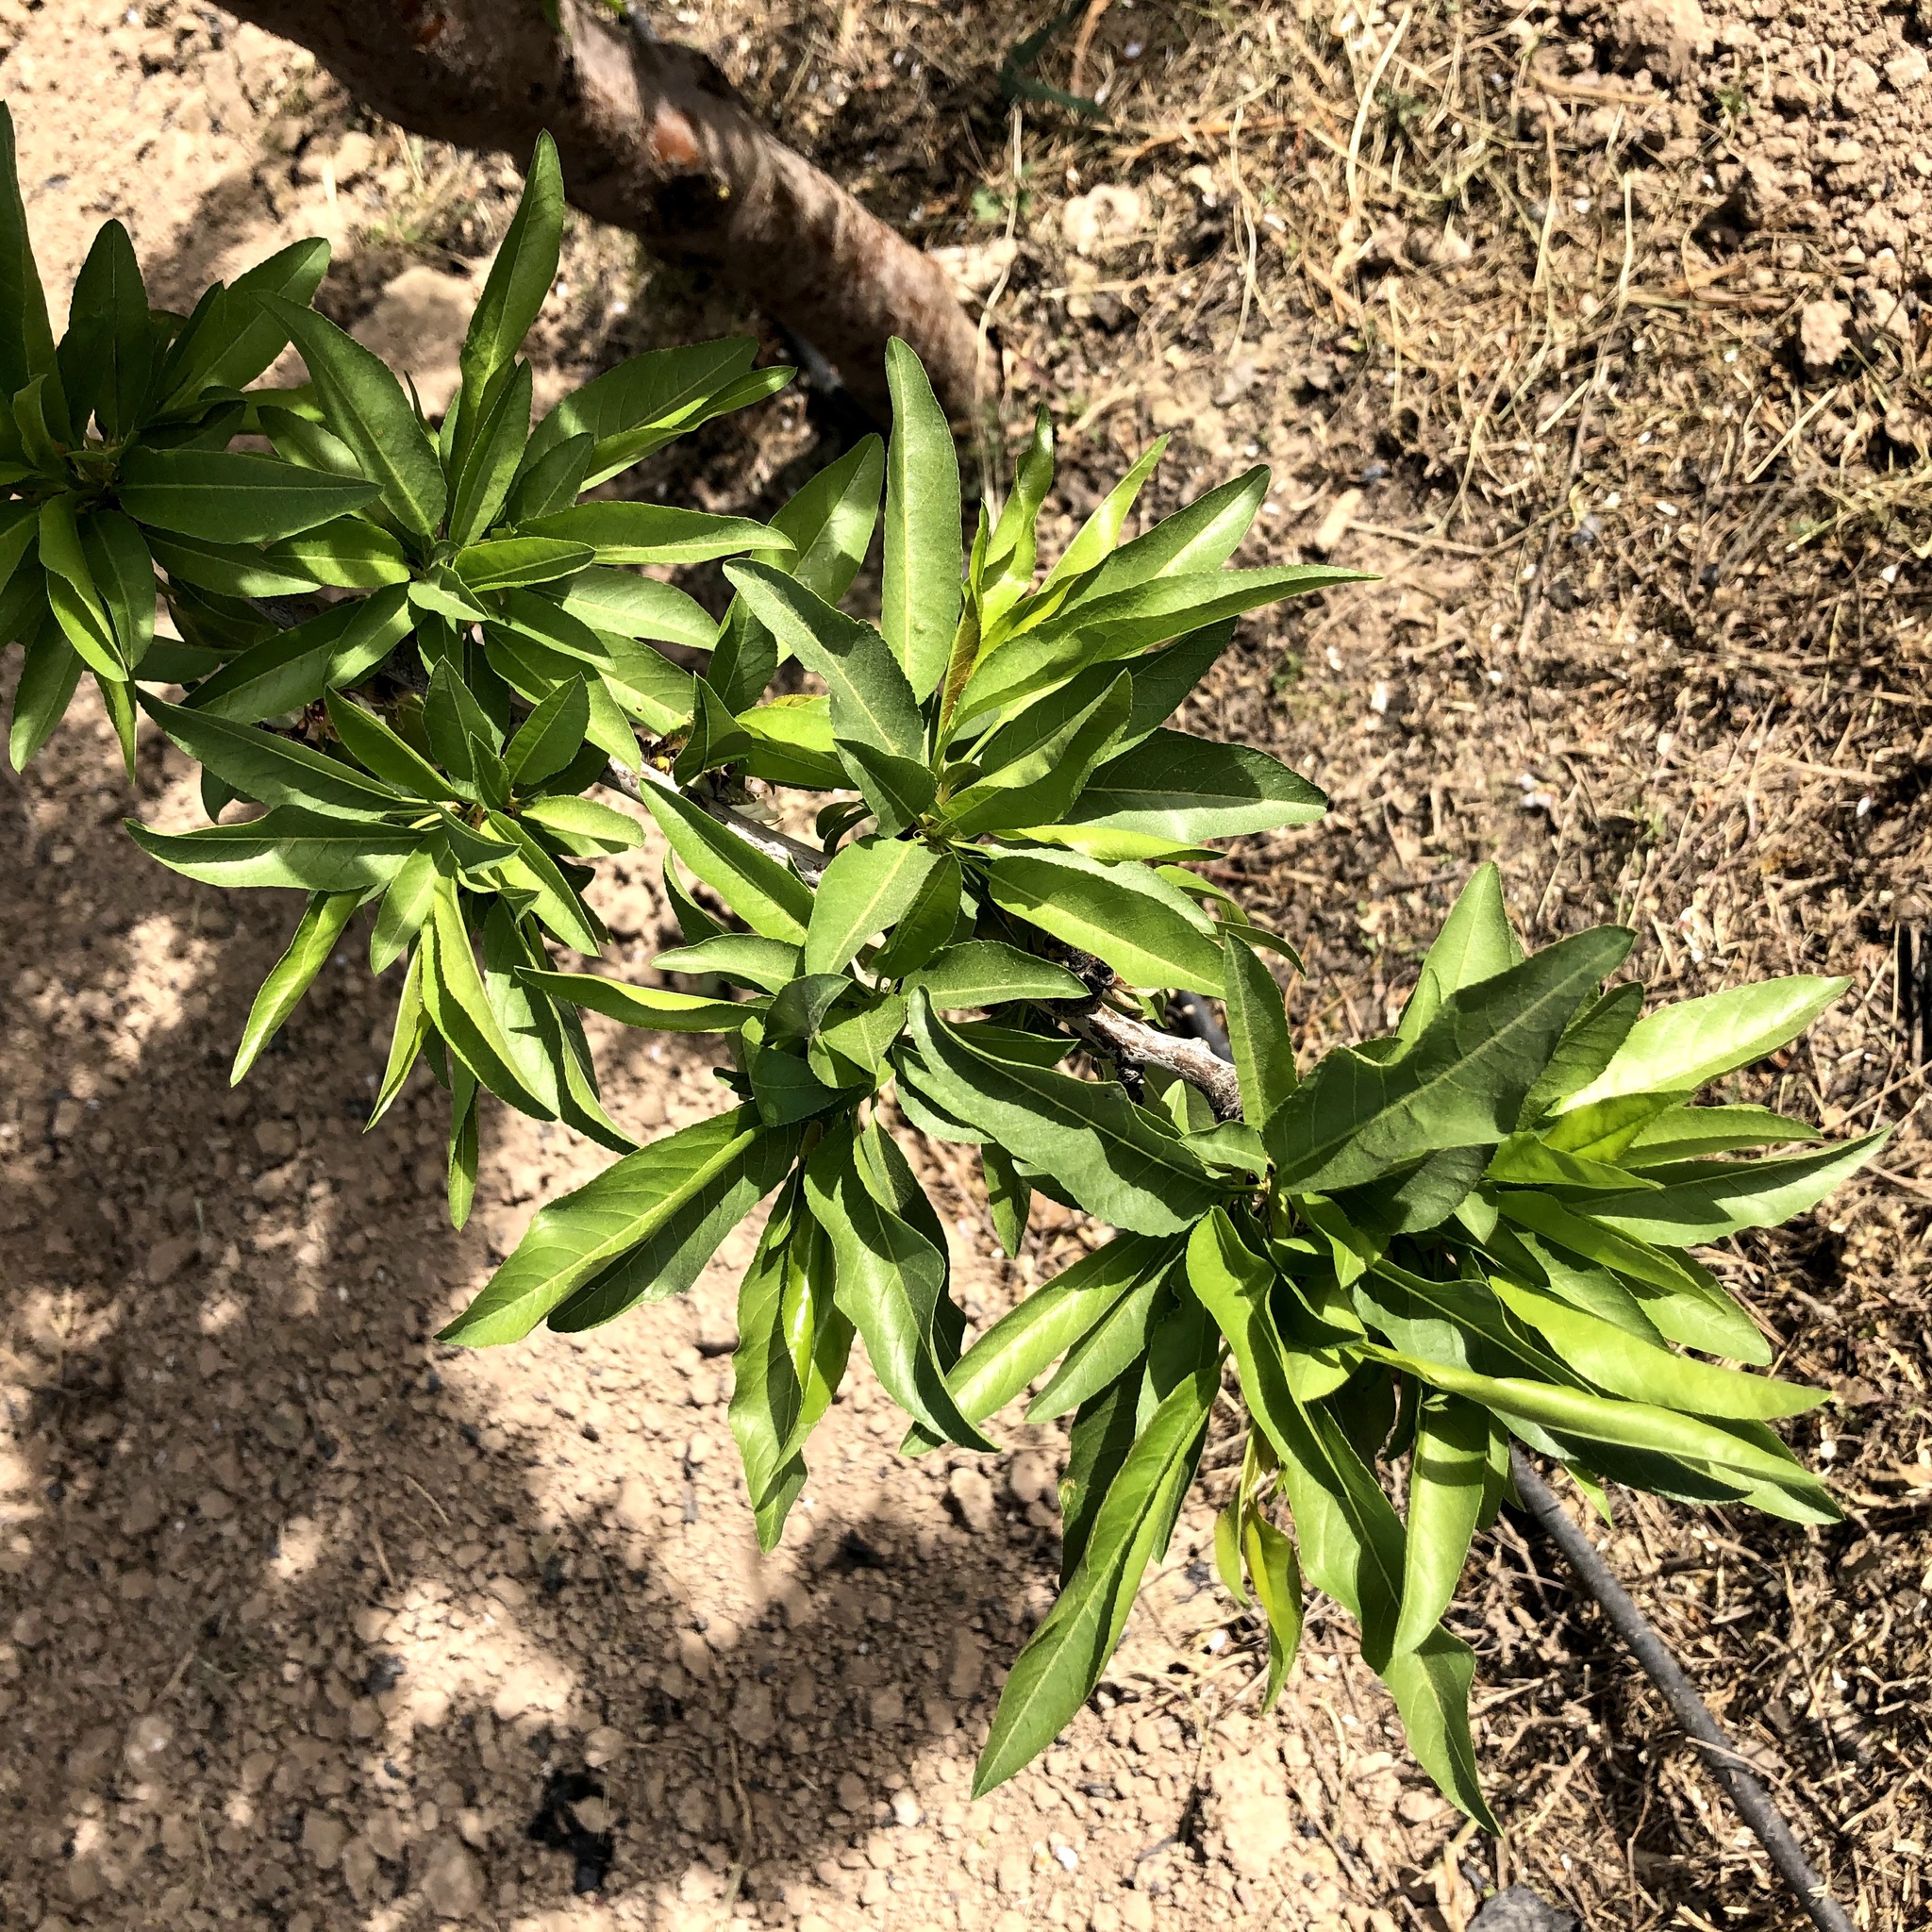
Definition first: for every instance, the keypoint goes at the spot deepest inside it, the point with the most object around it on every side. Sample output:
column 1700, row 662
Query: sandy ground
column 312, row 1622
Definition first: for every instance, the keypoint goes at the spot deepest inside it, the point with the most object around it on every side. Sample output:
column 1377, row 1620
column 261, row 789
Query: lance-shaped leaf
column 404, row 906
column 379, row 749
column 1038, row 1330
column 1705, row 1200
column 348, row 553
column 744, row 956
column 507, row 562
column 293, row 974
column 1040, row 787
column 1276, row 1574
column 365, row 406
column 1688, row 1133
column 636, row 606
column 286, row 847
column 890, row 1279
column 550, row 737
column 72, row 592
column 49, row 671
column 1148, row 931
column 1056, row 1671
column 1476, row 943
column 872, row 701
column 406, row 1039
column 1677, row 1049
column 1447, row 1475
column 655, row 533
column 1120, row 1162
column 990, row 973
column 228, row 496
column 483, row 472
column 107, row 360
column 642, row 1229
column 275, row 771
column 642, row 1006
column 1430, row 1685
column 867, row 889
column 1462, row 1083
column 293, row 668
column 1189, row 789
column 765, row 893
column 254, row 336
column 26, row 343
column 460, row 1009
column 663, row 391
column 921, row 591
column 1258, row 1036
column 519, row 279
column 123, row 576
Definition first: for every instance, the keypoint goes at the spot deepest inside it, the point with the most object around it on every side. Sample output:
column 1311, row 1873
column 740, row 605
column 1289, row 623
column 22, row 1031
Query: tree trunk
column 653, row 139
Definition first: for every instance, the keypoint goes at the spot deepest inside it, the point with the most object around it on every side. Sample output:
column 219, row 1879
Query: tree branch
column 652, row 139
column 810, row 860
column 1188, row 1059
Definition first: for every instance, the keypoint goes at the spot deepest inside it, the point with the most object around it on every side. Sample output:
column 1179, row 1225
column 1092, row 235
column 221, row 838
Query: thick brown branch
column 652, row 139
column 1188, row 1059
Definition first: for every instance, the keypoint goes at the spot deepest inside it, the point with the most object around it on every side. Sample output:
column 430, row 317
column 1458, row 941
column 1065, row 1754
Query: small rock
column 906, row 1809
column 974, row 267
column 359, row 1869
column 752, row 1716
column 965, row 1664
column 323, row 1835
column 801, row 1694
column 887, row 1708
column 1516, row 1908
column 1136, row 1908
column 1335, row 524
column 1102, row 219
column 150, row 1737
column 972, row 1498
column 354, row 156
column 603, row 1746
column 453, row 1879
column 1105, row 1917
column 1905, row 69
column 852, row 1793
column 1822, row 333
column 1029, row 1479
column 637, row 1505
column 1672, row 37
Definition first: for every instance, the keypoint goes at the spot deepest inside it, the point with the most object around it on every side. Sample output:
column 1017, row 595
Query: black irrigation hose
column 1753, row 1802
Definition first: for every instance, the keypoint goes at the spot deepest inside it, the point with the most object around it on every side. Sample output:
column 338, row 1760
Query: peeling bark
column 652, row 139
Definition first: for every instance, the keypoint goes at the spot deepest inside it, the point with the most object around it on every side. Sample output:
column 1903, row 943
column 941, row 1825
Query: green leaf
column 348, row 553
column 891, row 1278
column 583, row 826
column 550, row 737
column 873, row 703
column 365, row 406
column 404, row 906
column 379, row 749
column 254, row 336
column 293, row 668
column 124, row 576
column 1462, row 1083
column 990, row 973
column 460, row 1009
column 768, row 895
column 1589, row 1042
column 228, row 496
column 717, row 738
column 406, row 1040
column 654, row 533
column 1277, row 1578
column 554, row 899
column 462, row 1144
column 72, row 592
column 1146, row 930
column 1447, row 1475
column 508, row 562
column 1056, row 1671
column 1705, row 1200
column 1684, row 1133
column 1258, row 1036
column 519, row 279
column 26, row 343
column 297, row 440
column 1094, row 543
column 107, row 360
column 273, row 770
column 228, row 570
column 868, row 886
column 1189, row 789
column 927, row 924
column 293, row 974
column 549, row 482
column 900, row 790
column 641, row 1230
column 1616, row 1361
column 922, row 593
column 633, row 607
column 287, row 847
column 1119, row 1161
column 742, row 957
column 829, row 523
column 1013, row 547
column 1677, row 1049
column 642, row 1006
column 48, row 674
column 483, row 475
column 1040, row 787
column 663, row 392
column 1430, row 1686
column 1234, row 1284
column 1476, row 943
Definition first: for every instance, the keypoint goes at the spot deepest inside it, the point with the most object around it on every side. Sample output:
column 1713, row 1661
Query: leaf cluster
column 403, row 653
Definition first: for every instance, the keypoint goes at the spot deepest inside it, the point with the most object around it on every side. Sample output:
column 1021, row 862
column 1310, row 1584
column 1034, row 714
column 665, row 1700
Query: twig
column 1187, row 1059
column 1083, row 40
column 811, row 862
column 1752, row 1801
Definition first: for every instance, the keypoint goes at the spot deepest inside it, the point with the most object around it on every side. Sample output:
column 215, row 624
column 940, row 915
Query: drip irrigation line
column 1752, row 1802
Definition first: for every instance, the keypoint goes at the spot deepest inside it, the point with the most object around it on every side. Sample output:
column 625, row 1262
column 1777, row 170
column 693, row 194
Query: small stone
column 906, row 1809
column 1334, row 527
column 1105, row 1917
column 453, row 1879
column 1672, row 37
column 852, row 1793
column 1029, row 1479
column 887, row 1708
column 354, row 157
column 359, row 1869
column 1136, row 1908
column 323, row 1835
column 1822, row 333
column 965, row 1665
column 1905, row 69
column 603, row 1746
column 150, row 1737
column 973, row 1497
column 1147, row 1736
column 801, row 1694
column 637, row 1505
column 276, row 1140
column 1101, row 220
column 752, row 1716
